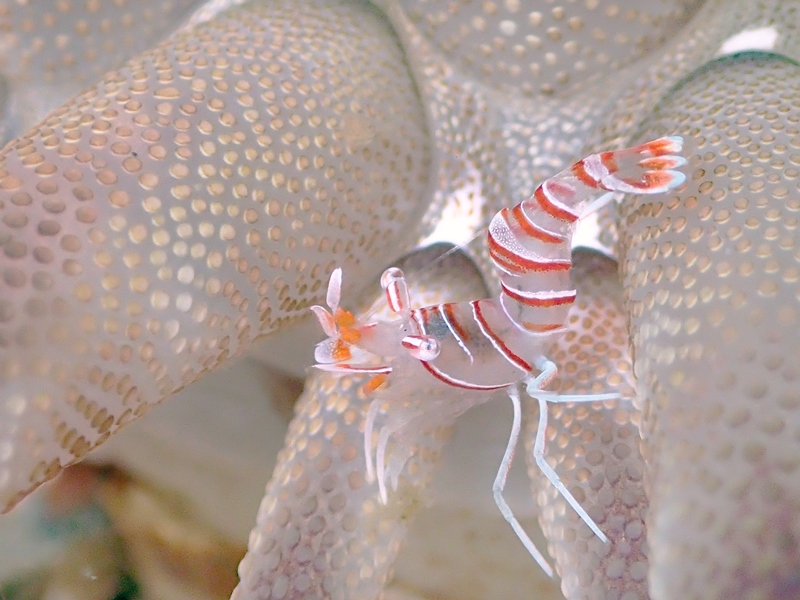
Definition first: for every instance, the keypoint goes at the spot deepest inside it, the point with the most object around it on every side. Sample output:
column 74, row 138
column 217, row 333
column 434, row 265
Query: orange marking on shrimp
column 658, row 163
column 655, row 179
column 539, row 328
column 500, row 344
column 539, row 302
column 344, row 318
column 609, row 162
column 579, row 170
column 349, row 334
column 425, row 313
column 374, row 383
column 341, row 351
column 650, row 180
column 452, row 381
column 661, row 146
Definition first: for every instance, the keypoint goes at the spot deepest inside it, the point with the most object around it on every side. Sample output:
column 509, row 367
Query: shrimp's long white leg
column 384, row 435
column 383, row 441
column 369, row 425
column 549, row 472
column 596, row 205
column 547, row 371
column 500, row 484
column 555, row 398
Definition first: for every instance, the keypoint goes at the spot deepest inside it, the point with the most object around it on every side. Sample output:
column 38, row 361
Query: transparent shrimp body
column 461, row 354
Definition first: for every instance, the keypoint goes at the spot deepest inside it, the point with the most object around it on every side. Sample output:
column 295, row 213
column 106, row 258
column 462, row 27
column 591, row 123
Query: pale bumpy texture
column 711, row 274
column 93, row 269
column 545, row 47
column 719, row 28
column 51, row 49
column 205, row 442
column 468, row 554
column 595, row 447
column 187, row 204
column 494, row 141
column 322, row 530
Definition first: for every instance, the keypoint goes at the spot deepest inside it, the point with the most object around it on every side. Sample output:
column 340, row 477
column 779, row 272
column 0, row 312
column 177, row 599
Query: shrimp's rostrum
column 461, row 353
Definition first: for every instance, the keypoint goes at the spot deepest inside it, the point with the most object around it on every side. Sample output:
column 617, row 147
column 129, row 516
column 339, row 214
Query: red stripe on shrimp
column 561, row 213
column 458, row 332
column 425, row 314
column 530, row 228
column 421, row 320
column 517, row 263
column 496, row 341
column 540, row 299
column 579, row 170
column 394, row 299
column 609, row 161
column 441, row 376
column 665, row 145
column 452, row 320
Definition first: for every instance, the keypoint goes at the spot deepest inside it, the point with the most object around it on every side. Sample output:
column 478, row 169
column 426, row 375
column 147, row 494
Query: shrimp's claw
column 337, row 349
column 644, row 169
column 334, row 289
column 354, row 369
column 330, row 321
column 325, row 320
column 340, row 352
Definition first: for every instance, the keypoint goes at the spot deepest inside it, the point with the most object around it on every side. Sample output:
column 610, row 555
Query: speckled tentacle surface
column 595, row 447
column 718, row 28
column 51, row 49
column 322, row 530
column 711, row 277
column 131, row 263
column 187, row 204
column 517, row 107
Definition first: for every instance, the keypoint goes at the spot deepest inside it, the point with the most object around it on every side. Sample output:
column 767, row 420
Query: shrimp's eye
column 390, row 275
column 421, row 347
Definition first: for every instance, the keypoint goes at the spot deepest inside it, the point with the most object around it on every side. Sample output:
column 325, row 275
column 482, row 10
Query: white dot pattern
column 509, row 139
column 595, row 447
column 544, row 47
column 189, row 203
column 642, row 87
column 52, row 49
column 711, row 275
column 322, row 531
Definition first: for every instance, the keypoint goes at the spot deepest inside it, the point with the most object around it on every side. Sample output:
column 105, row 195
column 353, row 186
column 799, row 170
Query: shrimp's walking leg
column 383, row 441
column 549, row 472
column 369, row 425
column 500, row 484
column 547, row 371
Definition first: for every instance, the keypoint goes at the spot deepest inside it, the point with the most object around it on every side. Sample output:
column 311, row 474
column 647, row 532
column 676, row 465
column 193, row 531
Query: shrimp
column 430, row 364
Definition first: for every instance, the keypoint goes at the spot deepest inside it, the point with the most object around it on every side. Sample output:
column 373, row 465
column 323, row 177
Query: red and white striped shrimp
column 461, row 353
